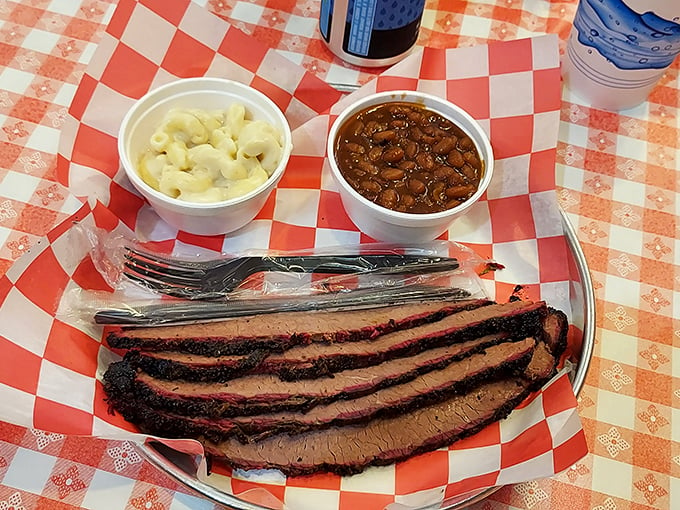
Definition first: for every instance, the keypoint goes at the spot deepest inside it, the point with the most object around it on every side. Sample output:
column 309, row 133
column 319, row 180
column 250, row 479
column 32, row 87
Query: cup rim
column 408, row 96
column 215, row 83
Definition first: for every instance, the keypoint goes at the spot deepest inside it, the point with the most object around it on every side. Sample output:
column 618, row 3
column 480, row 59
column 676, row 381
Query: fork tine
column 149, row 282
column 162, row 263
column 168, row 279
column 170, row 262
column 164, row 271
column 143, row 268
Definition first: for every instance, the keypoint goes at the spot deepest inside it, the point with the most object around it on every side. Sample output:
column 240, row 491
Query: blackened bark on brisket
column 349, row 450
column 280, row 331
column 503, row 360
column 317, row 359
column 191, row 367
column 255, row 394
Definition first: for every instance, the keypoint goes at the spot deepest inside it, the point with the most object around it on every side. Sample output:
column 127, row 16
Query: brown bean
column 456, row 179
column 384, row 136
column 414, row 116
column 417, row 186
column 442, row 172
column 470, row 174
column 371, row 127
column 472, row 159
column 393, row 154
column 356, row 127
column 406, row 164
column 455, row 158
column 429, row 140
column 388, row 198
column 410, row 149
column 416, row 134
column 397, row 110
column 398, row 123
column 444, row 146
column 459, row 191
column 437, row 191
column 352, row 179
column 452, row 203
column 425, row 160
column 375, row 153
column 355, row 147
column 367, row 167
column 392, row 174
column 466, row 143
column 407, row 200
column 368, row 185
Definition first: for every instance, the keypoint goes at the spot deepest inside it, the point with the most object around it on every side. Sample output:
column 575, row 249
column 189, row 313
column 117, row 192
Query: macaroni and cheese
column 209, row 156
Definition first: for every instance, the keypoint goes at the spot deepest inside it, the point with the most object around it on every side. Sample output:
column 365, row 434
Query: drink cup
column 370, row 33
column 618, row 50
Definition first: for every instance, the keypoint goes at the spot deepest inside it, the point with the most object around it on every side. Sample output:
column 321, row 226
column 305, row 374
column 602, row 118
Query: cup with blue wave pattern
column 619, row 49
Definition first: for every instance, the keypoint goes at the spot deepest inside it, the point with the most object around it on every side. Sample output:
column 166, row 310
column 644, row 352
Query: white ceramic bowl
column 392, row 226
column 205, row 93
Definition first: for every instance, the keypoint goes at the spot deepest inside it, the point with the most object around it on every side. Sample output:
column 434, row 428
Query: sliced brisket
column 391, row 396
column 254, row 394
column 280, row 331
column 458, row 377
column 350, row 449
column 523, row 318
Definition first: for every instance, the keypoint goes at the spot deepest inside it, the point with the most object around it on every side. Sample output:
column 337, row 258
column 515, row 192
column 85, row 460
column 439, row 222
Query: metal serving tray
column 582, row 299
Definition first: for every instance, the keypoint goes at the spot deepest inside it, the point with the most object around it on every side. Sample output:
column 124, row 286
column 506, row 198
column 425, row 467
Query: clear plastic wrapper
column 153, row 287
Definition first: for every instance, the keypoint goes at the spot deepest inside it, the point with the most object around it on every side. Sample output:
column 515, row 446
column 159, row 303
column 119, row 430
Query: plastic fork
column 216, row 278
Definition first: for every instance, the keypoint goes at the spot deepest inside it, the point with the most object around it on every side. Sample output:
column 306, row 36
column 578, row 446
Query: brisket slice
column 280, row 331
column 556, row 327
column 350, row 449
column 254, row 394
column 458, row 377
column 542, row 367
column 523, row 318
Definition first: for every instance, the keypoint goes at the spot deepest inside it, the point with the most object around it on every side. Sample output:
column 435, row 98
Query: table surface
column 618, row 181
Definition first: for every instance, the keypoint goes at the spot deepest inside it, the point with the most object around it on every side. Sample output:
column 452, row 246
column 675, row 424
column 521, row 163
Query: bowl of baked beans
column 407, row 164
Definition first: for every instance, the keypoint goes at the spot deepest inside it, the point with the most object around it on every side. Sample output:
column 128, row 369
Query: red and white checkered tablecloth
column 617, row 177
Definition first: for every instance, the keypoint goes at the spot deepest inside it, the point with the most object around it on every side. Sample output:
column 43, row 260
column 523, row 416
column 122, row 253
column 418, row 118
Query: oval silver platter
column 183, row 467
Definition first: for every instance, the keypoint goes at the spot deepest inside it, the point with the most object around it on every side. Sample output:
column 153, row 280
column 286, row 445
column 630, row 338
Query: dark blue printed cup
column 618, row 50
column 370, row 33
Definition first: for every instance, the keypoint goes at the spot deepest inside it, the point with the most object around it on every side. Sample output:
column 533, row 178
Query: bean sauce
column 407, row 158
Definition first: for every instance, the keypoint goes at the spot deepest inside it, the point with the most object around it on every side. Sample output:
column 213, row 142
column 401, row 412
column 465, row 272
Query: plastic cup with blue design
column 619, row 49
column 370, row 33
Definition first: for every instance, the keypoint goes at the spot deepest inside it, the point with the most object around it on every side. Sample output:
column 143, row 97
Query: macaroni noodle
column 209, row 156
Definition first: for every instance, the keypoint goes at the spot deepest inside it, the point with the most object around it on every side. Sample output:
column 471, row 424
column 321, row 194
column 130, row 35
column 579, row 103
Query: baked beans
column 407, row 158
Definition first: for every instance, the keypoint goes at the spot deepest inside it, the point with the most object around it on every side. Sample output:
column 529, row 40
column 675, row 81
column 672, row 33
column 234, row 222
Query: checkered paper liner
column 50, row 363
